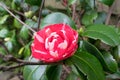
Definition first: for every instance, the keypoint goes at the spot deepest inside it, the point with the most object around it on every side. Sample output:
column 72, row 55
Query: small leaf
column 16, row 23
column 3, row 33
column 54, row 72
column 57, row 18
column 111, row 63
column 9, row 45
column 3, row 19
column 110, row 66
column 89, row 17
column 34, row 72
column 105, row 33
column 107, row 2
column 89, row 65
column 27, row 50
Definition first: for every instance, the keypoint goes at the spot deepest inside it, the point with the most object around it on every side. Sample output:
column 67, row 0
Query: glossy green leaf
column 107, row 2
column 24, row 32
column 111, row 63
column 34, row 2
column 54, row 72
column 3, row 19
column 89, row 65
column 110, row 66
column 89, row 17
column 105, row 33
column 34, row 72
column 57, row 18
column 3, row 33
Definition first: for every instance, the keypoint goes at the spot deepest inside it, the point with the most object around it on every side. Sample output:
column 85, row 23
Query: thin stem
column 109, row 13
column 40, row 12
column 4, row 6
column 20, row 63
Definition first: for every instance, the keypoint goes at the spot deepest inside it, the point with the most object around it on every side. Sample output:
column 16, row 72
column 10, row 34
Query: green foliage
column 88, row 64
column 57, row 18
column 103, row 32
column 107, row 61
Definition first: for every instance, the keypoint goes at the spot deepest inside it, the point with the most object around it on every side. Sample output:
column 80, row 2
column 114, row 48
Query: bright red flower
column 54, row 43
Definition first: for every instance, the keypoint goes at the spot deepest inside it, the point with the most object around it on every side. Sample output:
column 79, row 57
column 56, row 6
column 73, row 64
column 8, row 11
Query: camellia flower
column 54, row 43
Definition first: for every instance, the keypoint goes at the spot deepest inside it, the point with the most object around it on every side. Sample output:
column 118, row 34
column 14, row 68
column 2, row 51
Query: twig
column 20, row 62
column 40, row 12
column 66, row 69
column 74, row 11
column 109, row 13
column 4, row 6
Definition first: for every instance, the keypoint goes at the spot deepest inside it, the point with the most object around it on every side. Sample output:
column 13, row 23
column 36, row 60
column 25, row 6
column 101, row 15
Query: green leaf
column 34, row 72
column 110, row 66
column 54, row 72
column 34, row 2
column 111, row 63
column 91, row 3
column 27, row 50
column 3, row 19
column 107, row 2
column 3, row 33
column 24, row 32
column 101, row 18
column 116, row 53
column 105, row 33
column 57, row 18
column 9, row 45
column 89, row 17
column 89, row 65
column 16, row 23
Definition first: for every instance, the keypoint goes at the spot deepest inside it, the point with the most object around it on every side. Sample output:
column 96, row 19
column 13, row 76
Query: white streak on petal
column 55, row 54
column 54, row 34
column 47, row 30
column 46, row 43
column 51, row 44
column 63, row 45
column 51, row 59
column 39, row 38
column 64, row 55
column 32, row 44
column 64, row 33
column 41, row 52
